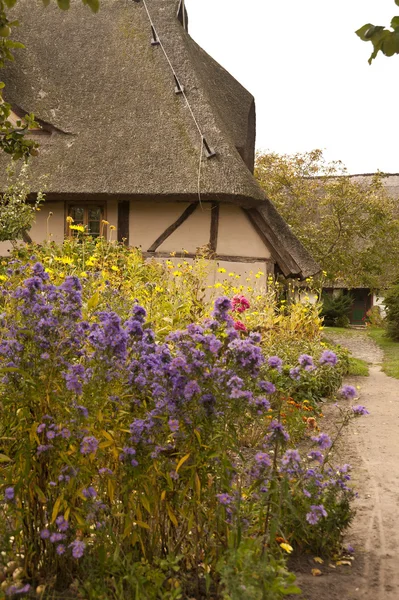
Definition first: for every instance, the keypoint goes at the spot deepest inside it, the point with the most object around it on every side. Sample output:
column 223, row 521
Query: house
column 365, row 298
column 142, row 128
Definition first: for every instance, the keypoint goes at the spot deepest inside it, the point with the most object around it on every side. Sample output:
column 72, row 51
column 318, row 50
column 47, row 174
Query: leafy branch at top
column 383, row 40
column 13, row 138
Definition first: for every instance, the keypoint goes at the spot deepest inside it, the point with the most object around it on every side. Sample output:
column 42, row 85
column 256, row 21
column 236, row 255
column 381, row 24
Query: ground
column 371, row 448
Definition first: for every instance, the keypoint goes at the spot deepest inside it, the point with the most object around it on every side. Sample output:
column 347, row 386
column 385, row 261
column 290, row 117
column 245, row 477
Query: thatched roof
column 117, row 126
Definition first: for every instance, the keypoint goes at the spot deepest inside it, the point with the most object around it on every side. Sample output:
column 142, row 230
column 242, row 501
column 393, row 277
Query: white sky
column 309, row 74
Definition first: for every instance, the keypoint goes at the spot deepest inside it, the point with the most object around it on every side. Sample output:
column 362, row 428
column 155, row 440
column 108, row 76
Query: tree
column 16, row 214
column 350, row 226
column 13, row 138
column 383, row 40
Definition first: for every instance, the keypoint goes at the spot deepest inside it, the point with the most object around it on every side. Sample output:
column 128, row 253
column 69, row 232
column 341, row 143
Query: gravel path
column 372, row 447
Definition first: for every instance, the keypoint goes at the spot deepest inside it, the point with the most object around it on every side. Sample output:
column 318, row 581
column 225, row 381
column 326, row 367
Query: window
column 88, row 215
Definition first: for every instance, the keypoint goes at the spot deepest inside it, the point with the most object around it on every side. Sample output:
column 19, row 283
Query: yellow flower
column 172, row 253
column 114, row 268
column 69, row 220
column 286, row 547
column 3, row 278
column 104, row 222
column 177, row 273
column 231, row 274
column 112, row 227
column 83, row 274
column 217, row 285
column 221, row 270
column 79, row 228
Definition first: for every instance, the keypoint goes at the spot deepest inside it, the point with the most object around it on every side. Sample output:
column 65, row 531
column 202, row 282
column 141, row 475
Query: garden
column 162, row 437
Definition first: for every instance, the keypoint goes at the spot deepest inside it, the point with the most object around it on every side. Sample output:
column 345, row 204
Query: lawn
column 358, row 367
column 390, row 364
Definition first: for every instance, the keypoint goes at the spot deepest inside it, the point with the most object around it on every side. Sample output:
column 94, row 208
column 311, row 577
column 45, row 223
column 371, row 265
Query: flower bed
column 135, row 464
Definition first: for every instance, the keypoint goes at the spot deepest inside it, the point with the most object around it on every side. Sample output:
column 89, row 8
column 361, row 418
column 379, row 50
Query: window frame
column 86, row 205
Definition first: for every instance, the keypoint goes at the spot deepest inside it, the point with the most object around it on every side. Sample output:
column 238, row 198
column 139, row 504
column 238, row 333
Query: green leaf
column 10, row 3
column 94, row 4
column 397, row 2
column 363, row 30
column 93, row 301
column 63, row 4
column 4, row 458
column 395, row 22
column 390, row 45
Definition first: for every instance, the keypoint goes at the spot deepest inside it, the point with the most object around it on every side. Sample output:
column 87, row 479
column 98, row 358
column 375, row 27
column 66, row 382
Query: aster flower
column 45, row 534
column 224, row 499
column 305, row 360
column 60, row 549
column 78, row 548
column 173, row 425
column 9, row 494
column 267, row 387
column 278, row 431
column 263, row 459
column 89, row 492
column 295, row 373
column 328, row 357
column 89, row 445
column 323, row 440
column 62, row 524
column 360, row 410
column 315, row 514
column 275, row 362
column 348, row 392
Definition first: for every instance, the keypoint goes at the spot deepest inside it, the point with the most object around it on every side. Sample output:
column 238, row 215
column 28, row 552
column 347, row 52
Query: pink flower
column 240, row 304
column 239, row 326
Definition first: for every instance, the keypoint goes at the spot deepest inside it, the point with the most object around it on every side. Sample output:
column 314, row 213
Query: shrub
column 374, row 317
column 121, row 447
column 336, row 308
column 392, row 312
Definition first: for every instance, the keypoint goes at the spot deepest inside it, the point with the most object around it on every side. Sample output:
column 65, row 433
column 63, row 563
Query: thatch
column 118, row 128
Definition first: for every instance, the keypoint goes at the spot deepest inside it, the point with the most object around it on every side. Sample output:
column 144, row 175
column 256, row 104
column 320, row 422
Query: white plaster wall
column 5, row 248
column 147, row 220
column 112, row 216
column 379, row 301
column 56, row 223
column 191, row 234
column 237, row 236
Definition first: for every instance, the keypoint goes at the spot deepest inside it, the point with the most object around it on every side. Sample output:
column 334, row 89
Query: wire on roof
column 179, row 89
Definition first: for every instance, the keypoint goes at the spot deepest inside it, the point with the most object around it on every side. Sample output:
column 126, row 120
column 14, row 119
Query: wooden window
column 88, row 215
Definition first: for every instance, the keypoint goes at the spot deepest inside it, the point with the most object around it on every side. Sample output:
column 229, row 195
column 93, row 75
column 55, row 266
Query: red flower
column 240, row 304
column 239, row 326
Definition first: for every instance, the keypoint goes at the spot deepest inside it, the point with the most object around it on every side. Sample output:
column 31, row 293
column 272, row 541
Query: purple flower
column 50, row 434
column 78, row 548
column 328, row 358
column 89, row 445
column 348, row 392
column 173, row 425
column 263, row 459
column 105, row 471
column 221, row 308
column 316, row 455
column 360, row 410
column 134, row 462
column 277, row 430
column 275, row 362
column 45, row 534
column 43, row 448
column 62, row 524
column 60, row 549
column 41, row 427
column 315, row 514
column 14, row 589
column 191, row 389
column 89, row 492
column 291, row 457
column 267, row 387
column 56, row 537
column 295, row 373
column 173, row 475
column 305, row 360
column 225, row 499
column 323, row 440
column 83, row 411
column 9, row 494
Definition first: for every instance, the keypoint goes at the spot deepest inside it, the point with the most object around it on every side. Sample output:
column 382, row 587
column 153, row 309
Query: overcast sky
column 309, row 74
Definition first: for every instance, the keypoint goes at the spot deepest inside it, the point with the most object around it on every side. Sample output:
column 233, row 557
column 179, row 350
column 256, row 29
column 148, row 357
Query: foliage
column 391, row 302
column 13, row 139
column 358, row 367
column 347, row 225
column 336, row 308
column 390, row 363
column 374, row 317
column 384, row 40
column 16, row 214
column 122, row 451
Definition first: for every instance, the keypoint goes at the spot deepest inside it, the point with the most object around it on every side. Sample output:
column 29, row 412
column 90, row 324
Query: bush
column 374, row 317
column 122, row 451
column 392, row 312
column 336, row 308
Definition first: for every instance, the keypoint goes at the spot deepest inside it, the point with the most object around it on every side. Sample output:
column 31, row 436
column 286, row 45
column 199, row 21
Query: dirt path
column 373, row 450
